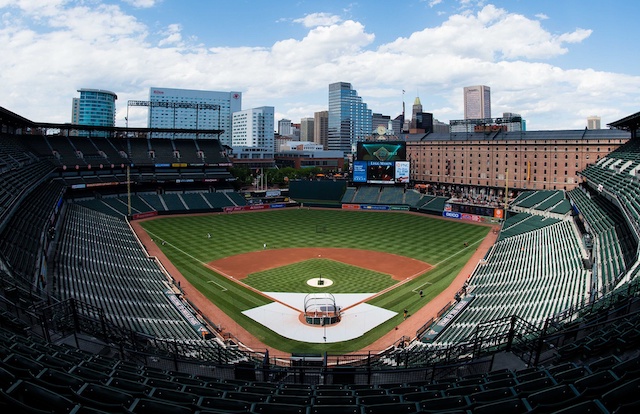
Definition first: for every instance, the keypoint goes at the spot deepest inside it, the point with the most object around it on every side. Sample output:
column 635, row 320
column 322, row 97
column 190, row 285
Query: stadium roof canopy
column 568, row 134
column 16, row 121
column 629, row 123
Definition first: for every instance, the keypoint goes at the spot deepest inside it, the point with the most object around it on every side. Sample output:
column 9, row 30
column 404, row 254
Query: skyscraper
column 415, row 110
column 285, row 127
column 306, row 129
column 349, row 118
column 320, row 128
column 477, row 102
column 95, row 107
column 189, row 117
column 593, row 122
column 253, row 128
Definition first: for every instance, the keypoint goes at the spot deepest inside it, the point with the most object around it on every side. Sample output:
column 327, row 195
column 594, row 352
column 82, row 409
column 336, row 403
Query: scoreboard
column 382, row 162
column 381, row 172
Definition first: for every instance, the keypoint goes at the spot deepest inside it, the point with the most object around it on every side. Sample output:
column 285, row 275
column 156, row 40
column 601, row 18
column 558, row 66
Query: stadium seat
column 378, row 399
column 6, row 379
column 594, row 385
column 604, row 363
column 446, row 403
column 203, row 391
column 333, row 393
column 499, row 383
column 335, row 409
column 290, row 399
column 554, row 398
column 24, row 393
column 464, row 390
column 492, row 395
column 422, row 396
column 369, row 391
column 334, row 400
column 529, row 387
column 587, row 407
column 149, row 406
column 27, row 367
column 221, row 403
column 391, row 408
column 509, row 406
column 628, row 369
column 571, row 375
column 254, row 389
column 175, row 396
column 89, row 374
column 275, row 408
column 404, row 389
column 137, row 389
column 103, row 397
column 626, row 393
column 246, row 396
column 163, row 383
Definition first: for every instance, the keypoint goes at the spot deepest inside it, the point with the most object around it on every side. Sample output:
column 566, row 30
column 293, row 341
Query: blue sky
column 554, row 62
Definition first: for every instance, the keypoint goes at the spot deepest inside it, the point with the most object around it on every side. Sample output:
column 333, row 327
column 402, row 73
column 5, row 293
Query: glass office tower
column 349, row 118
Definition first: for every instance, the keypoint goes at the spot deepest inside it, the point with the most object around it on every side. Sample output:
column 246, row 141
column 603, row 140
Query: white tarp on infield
column 286, row 322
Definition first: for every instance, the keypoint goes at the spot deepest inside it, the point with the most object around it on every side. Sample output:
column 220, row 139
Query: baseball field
column 233, row 258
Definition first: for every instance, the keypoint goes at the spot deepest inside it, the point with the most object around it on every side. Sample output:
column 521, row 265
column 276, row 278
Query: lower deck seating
column 533, row 275
column 99, row 261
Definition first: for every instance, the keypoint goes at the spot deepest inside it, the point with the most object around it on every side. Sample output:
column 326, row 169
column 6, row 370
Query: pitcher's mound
column 320, row 282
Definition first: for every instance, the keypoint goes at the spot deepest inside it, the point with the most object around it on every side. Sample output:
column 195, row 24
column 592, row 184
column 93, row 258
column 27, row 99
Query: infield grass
column 429, row 239
column 294, row 277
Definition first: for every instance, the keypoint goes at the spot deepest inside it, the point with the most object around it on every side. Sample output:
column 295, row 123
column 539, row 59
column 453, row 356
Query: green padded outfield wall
column 322, row 190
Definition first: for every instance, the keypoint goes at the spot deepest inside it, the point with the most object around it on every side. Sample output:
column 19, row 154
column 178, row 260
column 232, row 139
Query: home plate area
column 285, row 320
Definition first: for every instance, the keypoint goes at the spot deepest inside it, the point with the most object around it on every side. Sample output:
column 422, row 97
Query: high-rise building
column 513, row 122
column 285, row 127
column 254, row 128
column 321, row 128
column 94, row 107
column 477, row 102
column 349, row 118
column 415, row 110
column 295, row 132
column 378, row 120
column 306, row 129
column 204, row 110
column 593, row 122
column 421, row 122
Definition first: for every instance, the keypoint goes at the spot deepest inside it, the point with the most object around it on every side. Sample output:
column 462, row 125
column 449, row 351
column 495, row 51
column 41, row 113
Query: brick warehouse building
column 536, row 160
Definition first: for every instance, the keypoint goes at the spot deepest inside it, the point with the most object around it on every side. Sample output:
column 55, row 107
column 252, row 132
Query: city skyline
column 553, row 62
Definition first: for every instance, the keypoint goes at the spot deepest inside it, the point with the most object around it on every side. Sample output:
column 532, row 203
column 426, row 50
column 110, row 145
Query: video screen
column 381, row 172
column 382, row 151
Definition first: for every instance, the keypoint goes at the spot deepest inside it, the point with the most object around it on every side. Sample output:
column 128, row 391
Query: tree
column 242, row 175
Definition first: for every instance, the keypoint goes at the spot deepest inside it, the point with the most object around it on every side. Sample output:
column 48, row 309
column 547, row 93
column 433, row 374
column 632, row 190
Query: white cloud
column 542, row 16
column 318, row 19
column 172, row 36
column 50, row 50
column 142, row 4
column 491, row 34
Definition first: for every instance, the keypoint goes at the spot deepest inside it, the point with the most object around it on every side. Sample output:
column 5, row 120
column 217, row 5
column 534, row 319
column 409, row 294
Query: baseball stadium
column 138, row 277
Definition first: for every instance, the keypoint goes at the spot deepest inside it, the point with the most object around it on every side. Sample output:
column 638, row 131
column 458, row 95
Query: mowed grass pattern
column 432, row 240
column 294, row 277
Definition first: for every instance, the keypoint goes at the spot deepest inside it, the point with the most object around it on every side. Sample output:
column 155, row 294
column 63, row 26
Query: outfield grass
column 432, row 240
